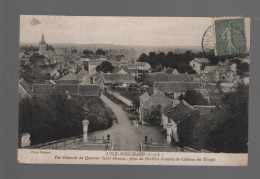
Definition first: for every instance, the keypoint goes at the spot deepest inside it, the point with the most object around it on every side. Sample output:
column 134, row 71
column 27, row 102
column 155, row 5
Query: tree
column 154, row 115
column 195, row 98
column 88, row 52
column 105, row 67
column 158, row 68
column 100, row 52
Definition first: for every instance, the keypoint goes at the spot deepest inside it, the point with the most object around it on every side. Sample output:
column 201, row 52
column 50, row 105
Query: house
column 175, row 116
column 132, row 71
column 122, row 71
column 177, row 88
column 146, row 103
column 227, row 87
column 81, row 74
column 209, row 69
column 24, row 89
column 69, row 76
column 204, row 110
column 73, row 69
column 150, row 78
column 55, row 74
column 197, row 63
column 143, row 66
column 119, row 80
column 70, row 89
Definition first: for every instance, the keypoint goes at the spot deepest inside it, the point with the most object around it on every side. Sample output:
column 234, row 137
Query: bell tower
column 42, row 45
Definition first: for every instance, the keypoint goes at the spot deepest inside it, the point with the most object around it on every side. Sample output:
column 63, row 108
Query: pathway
column 126, row 136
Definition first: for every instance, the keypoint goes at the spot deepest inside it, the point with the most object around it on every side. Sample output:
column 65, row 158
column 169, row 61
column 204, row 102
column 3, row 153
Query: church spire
column 42, row 37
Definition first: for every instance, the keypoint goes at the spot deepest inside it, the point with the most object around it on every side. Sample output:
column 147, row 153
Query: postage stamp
column 230, row 36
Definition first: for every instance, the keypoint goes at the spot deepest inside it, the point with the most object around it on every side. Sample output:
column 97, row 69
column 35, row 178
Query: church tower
column 42, row 46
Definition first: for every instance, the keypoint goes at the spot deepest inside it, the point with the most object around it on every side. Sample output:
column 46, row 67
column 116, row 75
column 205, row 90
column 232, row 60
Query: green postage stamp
column 230, row 36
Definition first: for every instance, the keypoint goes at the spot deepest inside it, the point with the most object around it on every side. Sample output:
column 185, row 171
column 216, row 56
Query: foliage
column 154, row 115
column 36, row 58
column 55, row 117
column 195, row 98
column 100, row 52
column 181, row 61
column 159, row 68
column 105, row 67
column 224, row 129
column 88, row 52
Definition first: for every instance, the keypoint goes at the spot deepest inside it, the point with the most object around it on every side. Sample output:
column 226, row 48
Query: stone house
column 119, row 80
column 197, row 63
column 147, row 102
column 55, row 74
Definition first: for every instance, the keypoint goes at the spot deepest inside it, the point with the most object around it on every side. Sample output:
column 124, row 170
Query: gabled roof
column 141, row 63
column 112, row 78
column 176, row 86
column 161, row 76
column 175, row 71
column 144, row 97
column 69, row 76
column 180, row 111
column 157, row 99
column 85, row 81
column 179, row 77
column 201, row 60
column 167, row 87
column 127, row 78
column 118, row 78
column 82, row 73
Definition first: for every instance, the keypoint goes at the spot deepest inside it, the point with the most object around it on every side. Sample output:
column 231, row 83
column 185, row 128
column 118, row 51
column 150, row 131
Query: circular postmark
column 208, row 42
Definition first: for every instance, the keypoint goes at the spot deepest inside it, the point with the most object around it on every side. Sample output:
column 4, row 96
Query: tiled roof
column 141, row 63
column 157, row 99
column 211, row 87
column 81, row 74
column 118, row 78
column 180, row 111
column 161, row 76
column 68, row 82
column 166, row 87
column 180, row 77
column 210, row 68
column 204, row 109
column 69, row 76
column 49, row 89
column 88, row 90
column 127, row 78
column 201, row 60
column 112, row 78
column 176, row 86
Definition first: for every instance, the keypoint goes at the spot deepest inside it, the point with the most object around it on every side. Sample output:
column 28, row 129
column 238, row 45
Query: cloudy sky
column 151, row 31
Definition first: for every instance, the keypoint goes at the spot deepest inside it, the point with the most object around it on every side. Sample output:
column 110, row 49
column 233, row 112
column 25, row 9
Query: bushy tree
column 105, row 67
column 195, row 98
column 100, row 52
column 154, row 115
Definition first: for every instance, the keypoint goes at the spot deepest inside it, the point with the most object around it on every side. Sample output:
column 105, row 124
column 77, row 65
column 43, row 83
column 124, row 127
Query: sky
column 141, row 31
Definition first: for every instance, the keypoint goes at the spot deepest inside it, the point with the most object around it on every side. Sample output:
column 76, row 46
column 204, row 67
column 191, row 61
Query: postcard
column 133, row 90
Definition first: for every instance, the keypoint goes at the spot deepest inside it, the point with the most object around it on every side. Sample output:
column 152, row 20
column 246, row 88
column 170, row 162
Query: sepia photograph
column 133, row 90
